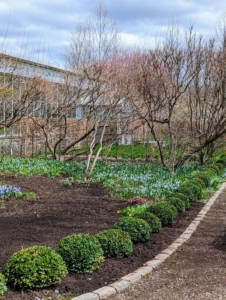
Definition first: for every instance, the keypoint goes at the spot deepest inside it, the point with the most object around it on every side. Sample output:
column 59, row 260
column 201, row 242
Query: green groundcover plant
column 130, row 211
column 3, row 287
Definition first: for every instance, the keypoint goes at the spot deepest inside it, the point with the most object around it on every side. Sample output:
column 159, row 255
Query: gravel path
column 197, row 270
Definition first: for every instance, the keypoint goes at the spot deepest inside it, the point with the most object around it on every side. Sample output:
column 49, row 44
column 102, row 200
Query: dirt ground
column 59, row 211
column 197, row 270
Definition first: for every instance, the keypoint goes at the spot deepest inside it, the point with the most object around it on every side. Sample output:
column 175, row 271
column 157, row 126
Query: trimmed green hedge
column 138, row 229
column 165, row 211
column 34, row 267
column 81, row 252
column 153, row 221
column 115, row 243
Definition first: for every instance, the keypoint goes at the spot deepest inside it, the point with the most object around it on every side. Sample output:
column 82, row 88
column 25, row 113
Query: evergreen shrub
column 185, row 190
column 138, row 229
column 153, row 221
column 182, row 197
column 34, row 267
column 81, row 252
column 115, row 243
column 165, row 211
column 179, row 204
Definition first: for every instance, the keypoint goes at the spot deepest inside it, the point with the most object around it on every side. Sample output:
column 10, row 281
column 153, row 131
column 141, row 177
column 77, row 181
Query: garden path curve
column 194, row 265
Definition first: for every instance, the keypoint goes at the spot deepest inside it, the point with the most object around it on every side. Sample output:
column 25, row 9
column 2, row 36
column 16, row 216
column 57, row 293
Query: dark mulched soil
column 59, row 211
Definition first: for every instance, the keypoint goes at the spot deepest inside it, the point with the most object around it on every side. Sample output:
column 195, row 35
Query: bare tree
column 207, row 103
column 159, row 81
column 17, row 90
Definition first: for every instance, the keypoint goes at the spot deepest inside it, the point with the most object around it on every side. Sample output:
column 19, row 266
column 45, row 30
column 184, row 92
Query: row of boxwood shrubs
column 41, row 266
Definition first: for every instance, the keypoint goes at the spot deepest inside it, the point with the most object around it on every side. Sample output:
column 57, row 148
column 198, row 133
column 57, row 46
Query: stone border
column 126, row 281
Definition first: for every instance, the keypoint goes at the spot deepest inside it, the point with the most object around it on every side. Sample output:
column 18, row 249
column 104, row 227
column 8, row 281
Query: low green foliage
column 81, row 252
column 185, row 190
column 2, row 204
column 29, row 195
column 182, row 197
column 195, row 188
column 115, row 243
column 124, row 180
column 34, row 267
column 222, row 162
column 165, row 211
column 203, row 178
column 212, row 170
column 67, row 181
column 208, row 176
column 153, row 221
column 3, row 287
column 178, row 203
column 130, row 211
column 199, row 182
column 221, row 166
column 138, row 229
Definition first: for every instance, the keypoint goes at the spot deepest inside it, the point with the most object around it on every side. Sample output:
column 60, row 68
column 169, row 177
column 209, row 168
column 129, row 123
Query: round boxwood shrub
column 222, row 162
column 3, row 287
column 138, row 229
column 153, row 221
column 165, row 211
column 209, row 176
column 81, row 252
column 212, row 170
column 179, row 204
column 115, row 243
column 220, row 166
column 185, row 190
column 199, row 182
column 203, row 178
column 195, row 188
column 182, row 197
column 34, row 267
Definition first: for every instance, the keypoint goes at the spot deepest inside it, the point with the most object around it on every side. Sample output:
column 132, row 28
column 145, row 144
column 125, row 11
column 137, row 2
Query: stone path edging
column 126, row 281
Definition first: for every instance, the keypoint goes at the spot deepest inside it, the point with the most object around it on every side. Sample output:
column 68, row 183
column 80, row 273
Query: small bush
column 115, row 243
column 34, row 267
column 199, row 182
column 203, row 178
column 182, row 197
column 212, row 170
column 221, row 166
column 179, row 204
column 165, row 211
column 195, row 188
column 185, row 190
column 3, row 287
column 209, row 176
column 153, row 221
column 138, row 229
column 81, row 252
column 222, row 162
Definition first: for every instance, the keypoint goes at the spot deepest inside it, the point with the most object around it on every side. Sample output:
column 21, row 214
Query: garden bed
column 59, row 211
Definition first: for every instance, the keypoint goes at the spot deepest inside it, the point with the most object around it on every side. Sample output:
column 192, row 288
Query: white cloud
column 35, row 22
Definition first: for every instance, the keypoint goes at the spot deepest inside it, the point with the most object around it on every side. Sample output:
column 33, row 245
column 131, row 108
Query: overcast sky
column 45, row 25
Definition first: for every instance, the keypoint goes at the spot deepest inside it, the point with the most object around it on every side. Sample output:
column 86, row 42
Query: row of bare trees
column 176, row 89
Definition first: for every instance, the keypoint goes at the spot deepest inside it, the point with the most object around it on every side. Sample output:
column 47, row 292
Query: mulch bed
column 59, row 211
